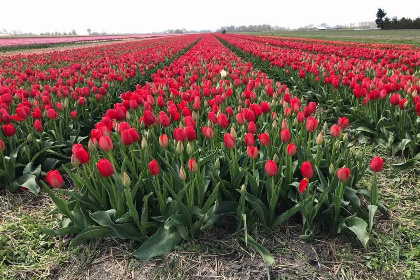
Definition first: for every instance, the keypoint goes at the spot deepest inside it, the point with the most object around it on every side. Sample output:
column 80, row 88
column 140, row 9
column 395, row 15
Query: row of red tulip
column 203, row 113
column 46, row 109
column 375, row 86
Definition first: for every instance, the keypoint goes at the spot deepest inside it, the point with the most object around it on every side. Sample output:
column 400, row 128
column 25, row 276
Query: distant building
column 4, row 33
column 321, row 28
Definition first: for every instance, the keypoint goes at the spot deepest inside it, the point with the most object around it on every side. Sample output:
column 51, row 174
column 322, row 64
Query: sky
column 131, row 16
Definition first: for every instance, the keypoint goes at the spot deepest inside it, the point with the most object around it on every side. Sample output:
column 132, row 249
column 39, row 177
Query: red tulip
column 300, row 117
column 148, row 117
column 395, row 99
column 164, row 141
column 343, row 122
column 104, row 167
column 21, row 113
column 73, row 115
column 249, row 139
column 8, row 129
column 51, row 114
column 252, row 127
column 264, row 139
column 207, row 132
column 343, row 174
column 80, row 153
column 54, row 179
column 105, row 143
column 164, row 119
column 252, row 151
column 335, row 131
column 303, row 184
column 306, row 170
column 376, row 164
column 179, row 134
column 153, row 168
column 270, row 168
column 291, row 149
column 285, row 135
column 228, row 141
column 38, row 126
column 36, row 113
column 192, row 165
column 311, row 124
column 240, row 119
column 190, row 133
column 222, row 120
column 2, row 146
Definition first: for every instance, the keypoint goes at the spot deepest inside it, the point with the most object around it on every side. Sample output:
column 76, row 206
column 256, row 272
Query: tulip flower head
column 54, row 179
column 104, row 168
column 306, row 170
column 343, row 174
column 228, row 141
column 153, row 168
column 303, row 184
column 376, row 164
column 270, row 167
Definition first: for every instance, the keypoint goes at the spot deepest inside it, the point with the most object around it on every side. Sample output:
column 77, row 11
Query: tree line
column 384, row 22
column 251, row 28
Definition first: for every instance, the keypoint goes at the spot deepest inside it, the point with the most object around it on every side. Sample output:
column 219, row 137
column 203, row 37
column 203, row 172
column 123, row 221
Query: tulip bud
column 92, row 145
column 126, row 181
column 128, row 116
column 29, row 138
column 273, row 104
column 217, row 163
column 345, row 137
column 319, row 139
column 144, row 143
column 295, row 123
column 192, row 165
column 179, row 147
column 360, row 155
column 66, row 103
column 190, row 149
column 194, row 115
column 233, row 133
column 325, row 127
column 182, row 174
column 414, row 93
column 163, row 141
column 116, row 126
column 274, row 125
column 332, row 169
column 243, row 188
column 284, row 124
column 223, row 73
column 276, row 158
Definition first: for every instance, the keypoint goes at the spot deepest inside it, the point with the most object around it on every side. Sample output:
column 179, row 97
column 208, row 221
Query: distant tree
column 224, row 31
column 89, row 31
column 73, row 32
column 379, row 18
column 64, row 33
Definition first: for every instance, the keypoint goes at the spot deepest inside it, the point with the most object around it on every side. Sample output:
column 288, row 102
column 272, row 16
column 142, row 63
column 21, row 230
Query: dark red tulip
column 104, row 168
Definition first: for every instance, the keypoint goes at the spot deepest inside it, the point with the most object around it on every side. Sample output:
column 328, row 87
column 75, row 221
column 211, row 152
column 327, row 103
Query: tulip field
column 161, row 142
